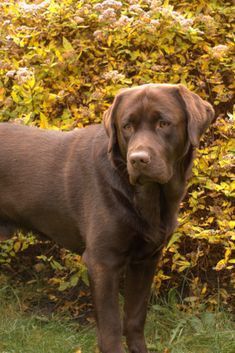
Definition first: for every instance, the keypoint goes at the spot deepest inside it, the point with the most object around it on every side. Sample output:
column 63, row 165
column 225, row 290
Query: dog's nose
column 139, row 159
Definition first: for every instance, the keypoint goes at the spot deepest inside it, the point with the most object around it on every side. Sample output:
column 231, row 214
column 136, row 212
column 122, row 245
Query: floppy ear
column 108, row 121
column 109, row 118
column 199, row 114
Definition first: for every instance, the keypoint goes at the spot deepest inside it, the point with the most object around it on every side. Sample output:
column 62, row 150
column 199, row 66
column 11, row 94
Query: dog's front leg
column 139, row 277
column 104, row 282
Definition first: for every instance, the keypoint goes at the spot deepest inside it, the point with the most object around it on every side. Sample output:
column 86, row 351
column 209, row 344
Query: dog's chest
column 147, row 203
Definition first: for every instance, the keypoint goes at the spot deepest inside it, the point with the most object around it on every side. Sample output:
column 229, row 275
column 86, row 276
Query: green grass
column 171, row 330
column 168, row 330
column 32, row 333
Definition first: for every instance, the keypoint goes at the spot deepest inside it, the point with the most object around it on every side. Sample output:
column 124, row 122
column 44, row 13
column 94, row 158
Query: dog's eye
column 162, row 124
column 127, row 127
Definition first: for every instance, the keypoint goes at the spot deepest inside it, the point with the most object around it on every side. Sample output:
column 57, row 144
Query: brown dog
column 110, row 191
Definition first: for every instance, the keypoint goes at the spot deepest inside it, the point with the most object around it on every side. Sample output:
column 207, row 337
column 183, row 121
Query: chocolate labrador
column 109, row 191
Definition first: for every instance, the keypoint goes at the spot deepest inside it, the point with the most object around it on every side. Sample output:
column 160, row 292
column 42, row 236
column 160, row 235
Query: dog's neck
column 158, row 206
column 147, row 201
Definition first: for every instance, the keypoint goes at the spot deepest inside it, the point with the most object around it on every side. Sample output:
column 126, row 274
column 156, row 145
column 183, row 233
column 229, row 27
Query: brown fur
column 109, row 191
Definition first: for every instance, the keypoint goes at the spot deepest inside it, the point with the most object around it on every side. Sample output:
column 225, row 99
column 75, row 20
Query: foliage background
column 61, row 64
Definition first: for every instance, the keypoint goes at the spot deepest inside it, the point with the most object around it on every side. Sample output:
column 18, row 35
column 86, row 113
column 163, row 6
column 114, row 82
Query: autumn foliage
column 61, row 63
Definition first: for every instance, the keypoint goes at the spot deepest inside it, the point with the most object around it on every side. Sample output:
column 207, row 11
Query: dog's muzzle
column 143, row 168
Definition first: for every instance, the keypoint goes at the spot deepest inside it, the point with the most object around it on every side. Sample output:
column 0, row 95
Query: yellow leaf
column 58, row 54
column 231, row 224
column 204, row 289
column 15, row 97
column 27, row 118
column 31, row 82
column 43, row 121
column 67, row 45
column 175, row 237
column 110, row 39
column 220, row 265
column 2, row 93
column 17, row 246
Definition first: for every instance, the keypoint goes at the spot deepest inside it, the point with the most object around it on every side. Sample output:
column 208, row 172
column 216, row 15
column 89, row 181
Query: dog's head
column 152, row 126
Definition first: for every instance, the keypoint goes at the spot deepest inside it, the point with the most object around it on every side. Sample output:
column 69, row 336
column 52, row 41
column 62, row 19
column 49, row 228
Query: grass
column 168, row 330
column 31, row 333
column 171, row 330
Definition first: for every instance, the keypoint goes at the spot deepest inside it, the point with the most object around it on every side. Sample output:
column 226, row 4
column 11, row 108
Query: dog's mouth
column 142, row 179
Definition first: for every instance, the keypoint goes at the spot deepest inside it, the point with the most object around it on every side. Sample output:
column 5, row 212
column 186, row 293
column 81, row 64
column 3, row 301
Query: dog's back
column 37, row 180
